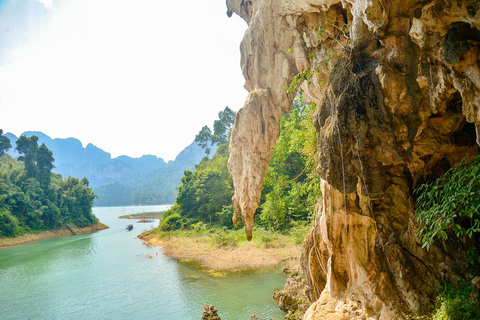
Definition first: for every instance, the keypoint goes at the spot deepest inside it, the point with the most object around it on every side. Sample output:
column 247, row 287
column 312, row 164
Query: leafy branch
column 450, row 204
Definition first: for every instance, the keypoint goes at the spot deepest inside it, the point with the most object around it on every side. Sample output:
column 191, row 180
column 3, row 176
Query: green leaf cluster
column 450, row 205
column 31, row 200
column 221, row 130
column 204, row 193
column 291, row 187
column 454, row 302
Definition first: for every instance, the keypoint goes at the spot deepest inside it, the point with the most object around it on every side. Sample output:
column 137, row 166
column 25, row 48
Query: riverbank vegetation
column 143, row 215
column 32, row 198
column 291, row 186
column 448, row 209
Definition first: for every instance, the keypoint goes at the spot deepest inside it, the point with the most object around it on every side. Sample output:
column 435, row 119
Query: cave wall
column 397, row 84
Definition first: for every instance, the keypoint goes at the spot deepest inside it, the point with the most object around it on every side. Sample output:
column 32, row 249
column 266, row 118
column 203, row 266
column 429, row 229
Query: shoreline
column 228, row 259
column 49, row 234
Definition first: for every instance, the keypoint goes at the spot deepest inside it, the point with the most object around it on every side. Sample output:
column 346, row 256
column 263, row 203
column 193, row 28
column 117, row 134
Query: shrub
column 225, row 216
column 8, row 224
column 198, row 227
column 299, row 231
column 454, row 303
column 172, row 222
column 451, row 204
column 224, row 238
column 269, row 239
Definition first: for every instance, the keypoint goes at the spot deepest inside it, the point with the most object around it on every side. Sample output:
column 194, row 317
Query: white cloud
column 47, row 3
column 131, row 80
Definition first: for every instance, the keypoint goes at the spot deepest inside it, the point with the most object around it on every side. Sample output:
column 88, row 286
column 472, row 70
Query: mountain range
column 122, row 180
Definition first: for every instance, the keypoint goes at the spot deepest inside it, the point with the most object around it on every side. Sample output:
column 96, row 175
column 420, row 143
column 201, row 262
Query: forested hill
column 32, row 198
column 122, row 180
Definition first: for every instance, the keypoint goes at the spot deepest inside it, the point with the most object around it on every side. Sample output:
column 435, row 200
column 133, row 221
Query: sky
column 131, row 77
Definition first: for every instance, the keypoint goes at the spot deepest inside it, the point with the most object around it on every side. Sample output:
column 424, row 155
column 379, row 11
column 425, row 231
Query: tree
column 4, row 143
column 203, row 138
column 223, row 126
column 205, row 192
column 221, row 130
column 8, row 223
column 44, row 165
column 28, row 148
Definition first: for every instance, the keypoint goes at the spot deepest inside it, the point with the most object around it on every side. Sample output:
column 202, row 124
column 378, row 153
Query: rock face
column 293, row 298
column 397, row 86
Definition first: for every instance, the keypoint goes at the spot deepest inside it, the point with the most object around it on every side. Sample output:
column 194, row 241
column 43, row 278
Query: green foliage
column 224, row 238
column 454, row 303
column 44, row 165
column 223, row 126
column 4, row 143
column 269, row 240
column 8, row 223
column 203, row 138
column 204, row 192
column 171, row 222
column 291, row 187
column 36, row 199
column 221, row 130
column 199, row 227
column 451, row 204
column 28, row 147
column 299, row 231
column 225, row 216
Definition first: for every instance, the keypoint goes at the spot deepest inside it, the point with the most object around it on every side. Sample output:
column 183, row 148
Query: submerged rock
column 209, row 313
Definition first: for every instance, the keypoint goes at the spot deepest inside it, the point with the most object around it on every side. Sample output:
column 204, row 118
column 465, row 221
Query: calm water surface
column 110, row 275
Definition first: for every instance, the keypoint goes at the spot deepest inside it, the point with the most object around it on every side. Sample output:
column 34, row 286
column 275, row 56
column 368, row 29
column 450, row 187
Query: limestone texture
column 397, row 85
column 210, row 313
column 293, row 297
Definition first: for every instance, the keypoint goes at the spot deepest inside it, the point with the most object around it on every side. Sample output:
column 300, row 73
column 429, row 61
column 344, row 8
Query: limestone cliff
column 397, row 84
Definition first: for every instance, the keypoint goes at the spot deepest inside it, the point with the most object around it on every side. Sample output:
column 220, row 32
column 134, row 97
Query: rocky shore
column 62, row 232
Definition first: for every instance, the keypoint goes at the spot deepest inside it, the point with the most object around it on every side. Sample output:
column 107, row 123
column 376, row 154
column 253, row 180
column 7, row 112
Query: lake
column 111, row 275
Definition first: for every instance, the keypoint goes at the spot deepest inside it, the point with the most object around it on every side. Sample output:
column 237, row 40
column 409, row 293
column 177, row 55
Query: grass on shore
column 223, row 237
column 143, row 215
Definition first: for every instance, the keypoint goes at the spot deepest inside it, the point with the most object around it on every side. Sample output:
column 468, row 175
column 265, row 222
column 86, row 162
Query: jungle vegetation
column 32, row 198
column 291, row 187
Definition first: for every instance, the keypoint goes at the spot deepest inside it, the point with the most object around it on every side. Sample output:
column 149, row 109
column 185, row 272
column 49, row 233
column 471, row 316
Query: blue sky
column 131, row 77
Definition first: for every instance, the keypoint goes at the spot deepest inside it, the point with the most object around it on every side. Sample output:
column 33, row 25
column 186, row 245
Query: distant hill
column 122, row 180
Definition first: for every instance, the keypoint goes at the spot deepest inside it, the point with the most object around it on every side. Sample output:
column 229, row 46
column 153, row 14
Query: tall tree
column 28, row 148
column 44, row 165
column 221, row 130
column 223, row 126
column 4, row 143
column 203, row 138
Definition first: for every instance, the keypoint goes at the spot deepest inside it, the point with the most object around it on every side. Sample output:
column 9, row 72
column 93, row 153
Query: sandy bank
column 246, row 256
column 7, row 242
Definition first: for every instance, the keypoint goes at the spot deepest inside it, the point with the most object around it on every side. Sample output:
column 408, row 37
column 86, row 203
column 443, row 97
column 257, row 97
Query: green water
column 109, row 275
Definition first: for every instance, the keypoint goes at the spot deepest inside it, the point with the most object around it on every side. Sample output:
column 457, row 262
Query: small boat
column 129, row 227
